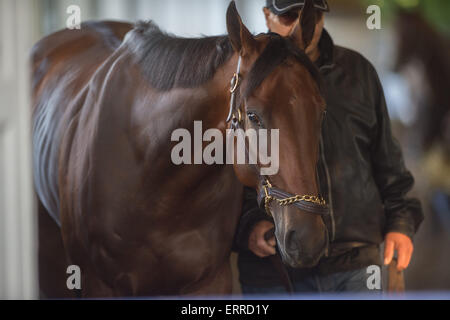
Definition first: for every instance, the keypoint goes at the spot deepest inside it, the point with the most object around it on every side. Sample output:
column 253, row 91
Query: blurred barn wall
column 18, row 267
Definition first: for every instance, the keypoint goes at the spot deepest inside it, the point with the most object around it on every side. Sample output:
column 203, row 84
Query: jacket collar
column 326, row 47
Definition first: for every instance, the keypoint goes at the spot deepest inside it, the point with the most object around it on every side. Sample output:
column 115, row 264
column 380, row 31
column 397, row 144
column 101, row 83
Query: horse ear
column 303, row 33
column 241, row 39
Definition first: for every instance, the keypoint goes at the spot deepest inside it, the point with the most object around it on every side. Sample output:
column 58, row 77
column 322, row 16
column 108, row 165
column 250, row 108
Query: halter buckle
column 268, row 198
column 237, row 119
column 235, row 82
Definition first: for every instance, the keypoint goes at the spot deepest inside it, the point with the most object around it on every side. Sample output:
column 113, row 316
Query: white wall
column 192, row 18
column 182, row 17
column 18, row 263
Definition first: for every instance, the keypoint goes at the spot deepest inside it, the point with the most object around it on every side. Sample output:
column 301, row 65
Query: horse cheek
column 246, row 175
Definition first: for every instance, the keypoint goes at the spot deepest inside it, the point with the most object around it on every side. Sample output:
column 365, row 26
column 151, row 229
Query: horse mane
column 173, row 62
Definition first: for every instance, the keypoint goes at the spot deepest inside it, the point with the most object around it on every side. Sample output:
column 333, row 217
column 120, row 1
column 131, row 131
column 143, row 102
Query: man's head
column 282, row 17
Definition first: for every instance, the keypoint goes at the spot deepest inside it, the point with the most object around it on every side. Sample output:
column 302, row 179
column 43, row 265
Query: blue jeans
column 343, row 282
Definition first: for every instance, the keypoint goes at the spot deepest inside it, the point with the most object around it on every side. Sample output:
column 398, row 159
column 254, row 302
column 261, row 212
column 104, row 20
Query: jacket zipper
column 330, row 197
column 327, row 171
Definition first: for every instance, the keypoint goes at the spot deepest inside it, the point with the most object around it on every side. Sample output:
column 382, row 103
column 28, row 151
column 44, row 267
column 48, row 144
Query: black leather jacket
column 361, row 172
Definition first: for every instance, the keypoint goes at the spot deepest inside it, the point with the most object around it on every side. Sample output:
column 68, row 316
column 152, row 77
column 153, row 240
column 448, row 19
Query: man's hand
column 256, row 242
column 404, row 247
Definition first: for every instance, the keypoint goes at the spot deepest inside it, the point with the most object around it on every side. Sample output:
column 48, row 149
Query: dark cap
column 282, row 6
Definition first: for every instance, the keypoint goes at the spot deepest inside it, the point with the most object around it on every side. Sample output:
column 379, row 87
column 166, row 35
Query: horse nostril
column 293, row 241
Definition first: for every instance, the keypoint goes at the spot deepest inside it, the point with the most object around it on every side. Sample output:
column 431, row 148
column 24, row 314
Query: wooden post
column 396, row 279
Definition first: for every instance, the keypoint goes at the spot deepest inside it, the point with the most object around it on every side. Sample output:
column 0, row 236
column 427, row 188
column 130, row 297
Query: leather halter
column 307, row 203
column 234, row 86
column 310, row 204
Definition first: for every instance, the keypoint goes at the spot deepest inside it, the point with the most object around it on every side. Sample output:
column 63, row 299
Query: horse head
column 277, row 87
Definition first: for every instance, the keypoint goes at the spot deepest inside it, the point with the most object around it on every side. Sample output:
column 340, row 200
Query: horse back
column 59, row 49
column 62, row 65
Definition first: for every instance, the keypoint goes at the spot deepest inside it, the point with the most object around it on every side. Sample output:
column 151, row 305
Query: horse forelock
column 276, row 52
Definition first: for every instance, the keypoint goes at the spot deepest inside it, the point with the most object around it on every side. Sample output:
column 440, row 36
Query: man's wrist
column 251, row 220
column 402, row 227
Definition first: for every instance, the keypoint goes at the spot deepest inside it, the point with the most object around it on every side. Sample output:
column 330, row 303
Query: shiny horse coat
column 104, row 109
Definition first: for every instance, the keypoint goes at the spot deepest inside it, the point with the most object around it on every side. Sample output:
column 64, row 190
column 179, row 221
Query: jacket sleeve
column 251, row 214
column 394, row 181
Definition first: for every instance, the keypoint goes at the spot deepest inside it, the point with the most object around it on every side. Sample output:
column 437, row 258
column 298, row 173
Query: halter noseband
column 310, row 204
column 307, row 203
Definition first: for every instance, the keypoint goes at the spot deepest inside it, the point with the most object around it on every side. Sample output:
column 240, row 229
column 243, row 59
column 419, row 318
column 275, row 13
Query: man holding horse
column 361, row 173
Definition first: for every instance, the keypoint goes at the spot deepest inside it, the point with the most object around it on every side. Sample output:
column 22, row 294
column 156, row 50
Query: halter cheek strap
column 235, row 113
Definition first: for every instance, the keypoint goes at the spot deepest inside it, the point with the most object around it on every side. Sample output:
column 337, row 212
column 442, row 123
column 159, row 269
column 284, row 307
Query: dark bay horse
column 106, row 101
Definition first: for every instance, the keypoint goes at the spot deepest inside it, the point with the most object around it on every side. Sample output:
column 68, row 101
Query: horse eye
column 254, row 118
